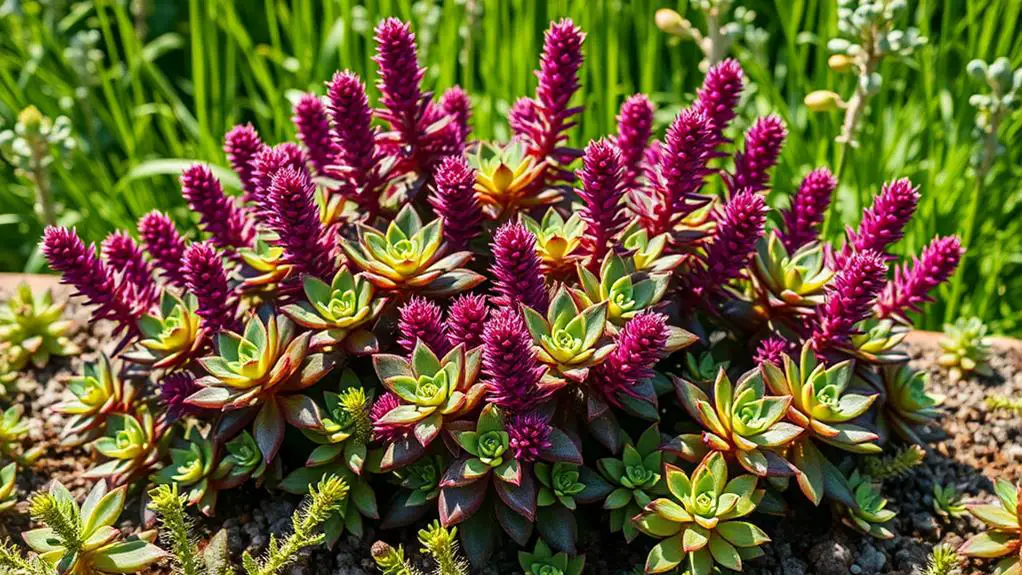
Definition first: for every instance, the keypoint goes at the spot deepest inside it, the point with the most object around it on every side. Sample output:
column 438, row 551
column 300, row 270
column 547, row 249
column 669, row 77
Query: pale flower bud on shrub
column 823, row 101
column 671, row 22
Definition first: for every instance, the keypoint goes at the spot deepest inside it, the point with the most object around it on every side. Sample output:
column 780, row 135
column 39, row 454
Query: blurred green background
column 150, row 85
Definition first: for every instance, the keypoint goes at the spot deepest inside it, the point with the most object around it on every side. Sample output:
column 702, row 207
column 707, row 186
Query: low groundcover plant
column 425, row 316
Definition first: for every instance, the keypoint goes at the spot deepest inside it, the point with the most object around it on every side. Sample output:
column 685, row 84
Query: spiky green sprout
column 169, row 505
column 1004, row 403
column 943, row 560
column 441, row 544
column 891, row 465
column 324, row 499
column 391, row 561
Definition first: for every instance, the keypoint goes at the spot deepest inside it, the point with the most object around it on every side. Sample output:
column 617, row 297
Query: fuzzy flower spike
column 911, row 285
column 602, row 194
column 358, row 165
column 884, row 222
column 808, row 209
column 634, row 129
column 850, row 298
column 454, row 200
column 219, row 215
column 205, row 276
column 739, row 226
column 165, row 245
column 516, row 268
column 718, row 98
column 515, row 377
column 307, row 245
column 313, row 126
column 241, row 145
column 763, row 144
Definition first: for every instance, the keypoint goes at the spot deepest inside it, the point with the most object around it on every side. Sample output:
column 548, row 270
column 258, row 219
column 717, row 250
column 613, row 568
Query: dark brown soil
column 978, row 446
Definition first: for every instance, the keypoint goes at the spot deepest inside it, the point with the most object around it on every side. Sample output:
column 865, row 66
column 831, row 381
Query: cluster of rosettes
column 500, row 345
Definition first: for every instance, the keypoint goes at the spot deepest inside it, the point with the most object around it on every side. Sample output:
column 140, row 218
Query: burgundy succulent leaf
column 164, row 244
column 517, row 275
column 241, row 145
column 126, row 257
column 641, row 343
column 884, row 222
column 602, row 195
column 529, row 435
column 510, row 364
column 421, row 319
column 219, row 215
column 739, row 226
column 763, row 144
column 295, row 218
column 634, row 129
column 466, row 319
column 93, row 279
column 808, row 209
column 206, row 278
column 174, row 390
column 849, row 300
column 912, row 283
column 718, row 98
column 454, row 199
column 313, row 124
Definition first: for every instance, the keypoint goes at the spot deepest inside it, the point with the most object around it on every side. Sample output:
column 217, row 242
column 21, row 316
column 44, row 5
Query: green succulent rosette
column 784, row 282
column 878, row 340
column 1003, row 539
column 263, row 268
column 647, row 254
column 558, row 241
column 543, row 561
column 31, row 329
column 339, row 312
column 506, row 178
column 8, row 486
column 569, row 339
column 191, row 468
column 636, row 480
column 410, row 256
column 966, row 349
column 907, row 404
column 13, row 432
column 240, row 461
column 699, row 521
column 171, row 336
column 95, row 394
column 870, row 515
column 625, row 292
column 343, row 429
column 133, row 444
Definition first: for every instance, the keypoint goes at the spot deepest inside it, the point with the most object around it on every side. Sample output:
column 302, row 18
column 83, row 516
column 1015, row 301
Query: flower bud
column 840, row 62
column 671, row 22
column 823, row 101
column 977, row 69
column 31, row 119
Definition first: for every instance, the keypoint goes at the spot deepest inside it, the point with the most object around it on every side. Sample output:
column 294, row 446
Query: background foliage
column 164, row 80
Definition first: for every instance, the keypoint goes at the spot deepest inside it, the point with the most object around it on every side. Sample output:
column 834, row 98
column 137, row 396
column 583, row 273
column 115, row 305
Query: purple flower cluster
column 739, row 226
column 219, row 215
column 454, row 200
column 850, row 297
column 884, row 222
column 456, row 104
column 718, row 98
column 307, row 245
column 808, row 209
column 381, row 407
column 634, row 129
column 466, row 319
column 529, row 436
column 640, row 345
column 241, row 145
column 164, row 244
column 313, row 125
column 400, row 79
column 174, row 391
column 124, row 256
column 517, row 274
column 911, row 285
column 267, row 163
column 206, row 278
column 422, row 320
column 355, row 138
column 602, row 195
column 509, row 362
column 763, row 144
column 770, row 350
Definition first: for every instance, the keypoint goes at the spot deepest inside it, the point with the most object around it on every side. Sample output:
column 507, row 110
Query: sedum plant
column 1003, row 539
column 338, row 311
column 869, row 515
column 13, row 432
column 625, row 292
column 544, row 561
column 33, row 329
column 96, row 394
column 82, row 540
column 558, row 241
column 191, row 468
column 172, row 335
column 636, row 479
column 699, row 521
column 947, row 502
column 568, row 338
column 8, row 486
column 133, row 444
column 906, row 404
column 966, row 349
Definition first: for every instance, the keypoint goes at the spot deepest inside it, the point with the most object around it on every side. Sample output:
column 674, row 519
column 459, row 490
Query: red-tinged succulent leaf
column 389, row 366
column 479, row 534
column 562, row 448
column 807, row 459
column 995, row 516
column 457, row 504
column 209, row 397
column 453, row 282
column 665, row 556
column 742, row 534
column 596, row 487
column 129, row 556
column 558, row 528
column 398, row 453
column 361, row 342
column 300, row 411
column 268, row 430
column 990, row 544
column 427, row 429
column 520, row 498
column 518, row 528
column 400, row 514
column 509, row 472
column 464, row 471
column 313, row 369
column 607, row 431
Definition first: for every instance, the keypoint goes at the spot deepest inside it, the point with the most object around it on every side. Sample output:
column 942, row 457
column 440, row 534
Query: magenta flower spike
column 739, row 226
column 634, row 129
column 763, row 144
column 454, row 199
column 680, row 175
column 529, row 436
column 602, row 195
column 912, row 283
column 770, row 350
column 207, row 280
column 241, row 145
column 400, row 80
column 219, row 215
column 849, row 300
column 93, row 279
column 125, row 256
column 421, row 319
column 313, row 124
column 268, row 162
column 466, row 319
column 641, row 343
column 164, row 244
column 523, row 117
column 355, row 138
column 509, row 362
column 383, row 405
column 174, row 390
column 295, row 218
column 456, row 104
column 884, row 222
column 516, row 270
column 808, row 209
column 718, row 98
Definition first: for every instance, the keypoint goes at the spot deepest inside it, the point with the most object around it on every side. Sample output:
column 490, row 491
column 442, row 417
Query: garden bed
column 973, row 446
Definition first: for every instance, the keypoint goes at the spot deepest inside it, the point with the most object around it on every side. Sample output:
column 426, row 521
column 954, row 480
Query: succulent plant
column 421, row 479
column 430, row 389
column 568, row 339
column 172, row 335
column 947, row 502
column 740, row 421
column 559, row 484
column 648, row 254
column 698, row 521
column 83, row 540
column 636, row 478
column 410, row 257
column 264, row 267
column 906, row 403
column 32, row 329
column 877, row 341
column 13, row 432
column 339, row 311
column 191, row 468
column 1003, row 540
column 8, row 486
column 258, row 374
column 870, row 515
column 344, row 427
column 543, row 561
column 897, row 463
column 558, row 241
column 704, row 368
column 784, row 281
column 506, row 179
column 966, row 349
column 96, row 394
column 347, row 515
column 133, row 443
column 626, row 292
